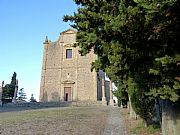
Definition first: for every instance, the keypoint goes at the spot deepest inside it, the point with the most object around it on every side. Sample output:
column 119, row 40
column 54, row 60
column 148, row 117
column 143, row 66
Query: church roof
column 69, row 31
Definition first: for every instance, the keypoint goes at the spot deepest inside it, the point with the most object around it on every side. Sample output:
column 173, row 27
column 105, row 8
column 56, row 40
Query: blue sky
column 23, row 27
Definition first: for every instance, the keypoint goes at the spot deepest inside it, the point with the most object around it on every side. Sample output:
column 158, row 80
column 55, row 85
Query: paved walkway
column 115, row 124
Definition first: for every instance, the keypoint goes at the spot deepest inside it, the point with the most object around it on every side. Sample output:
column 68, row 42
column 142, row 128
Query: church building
column 67, row 76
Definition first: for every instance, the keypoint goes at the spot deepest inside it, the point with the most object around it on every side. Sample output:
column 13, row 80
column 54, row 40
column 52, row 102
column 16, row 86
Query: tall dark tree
column 8, row 90
column 137, row 43
column 13, row 84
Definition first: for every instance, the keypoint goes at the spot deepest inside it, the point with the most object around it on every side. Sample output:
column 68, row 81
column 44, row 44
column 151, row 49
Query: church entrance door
column 67, row 94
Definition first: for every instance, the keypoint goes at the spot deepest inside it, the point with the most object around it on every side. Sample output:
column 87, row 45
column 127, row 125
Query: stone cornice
column 68, row 82
column 68, row 45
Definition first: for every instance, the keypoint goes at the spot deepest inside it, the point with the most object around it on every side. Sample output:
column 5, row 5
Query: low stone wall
column 87, row 103
column 31, row 105
column 38, row 105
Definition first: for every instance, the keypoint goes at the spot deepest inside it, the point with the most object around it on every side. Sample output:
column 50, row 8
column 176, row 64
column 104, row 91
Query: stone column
column 104, row 102
column 0, row 96
column 15, row 92
column 111, row 95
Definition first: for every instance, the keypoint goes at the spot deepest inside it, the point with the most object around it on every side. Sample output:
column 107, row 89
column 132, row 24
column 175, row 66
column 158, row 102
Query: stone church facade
column 66, row 75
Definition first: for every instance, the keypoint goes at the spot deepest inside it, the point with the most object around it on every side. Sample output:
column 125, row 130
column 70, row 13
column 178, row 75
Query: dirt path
column 115, row 123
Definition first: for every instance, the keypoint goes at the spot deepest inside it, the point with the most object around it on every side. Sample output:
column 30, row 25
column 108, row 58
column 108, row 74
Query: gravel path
column 115, row 124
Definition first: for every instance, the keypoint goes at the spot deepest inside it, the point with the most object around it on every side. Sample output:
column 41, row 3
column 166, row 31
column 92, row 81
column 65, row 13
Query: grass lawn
column 137, row 127
column 55, row 121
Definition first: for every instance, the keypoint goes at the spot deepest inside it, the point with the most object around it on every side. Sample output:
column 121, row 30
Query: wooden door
column 67, row 94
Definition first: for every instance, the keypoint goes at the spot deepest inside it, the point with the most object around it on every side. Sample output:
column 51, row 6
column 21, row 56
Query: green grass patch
column 67, row 120
column 141, row 129
column 12, row 118
column 16, row 117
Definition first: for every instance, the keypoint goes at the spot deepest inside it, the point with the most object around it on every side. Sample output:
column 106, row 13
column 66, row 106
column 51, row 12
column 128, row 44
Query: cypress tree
column 137, row 46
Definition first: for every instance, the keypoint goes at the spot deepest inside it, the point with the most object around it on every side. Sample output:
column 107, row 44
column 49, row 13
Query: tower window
column 68, row 53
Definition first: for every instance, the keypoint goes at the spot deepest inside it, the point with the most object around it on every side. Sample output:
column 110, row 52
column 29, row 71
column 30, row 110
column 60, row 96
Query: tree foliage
column 137, row 43
column 32, row 99
column 8, row 90
column 21, row 95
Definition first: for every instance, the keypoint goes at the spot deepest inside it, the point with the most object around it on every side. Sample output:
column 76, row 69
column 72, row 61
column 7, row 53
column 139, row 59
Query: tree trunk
column 145, row 123
column 131, row 111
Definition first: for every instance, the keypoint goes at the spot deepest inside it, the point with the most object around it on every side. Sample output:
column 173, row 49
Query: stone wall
column 170, row 119
column 59, row 72
column 21, row 106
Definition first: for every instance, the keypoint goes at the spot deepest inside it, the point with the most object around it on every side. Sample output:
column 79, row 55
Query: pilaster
column 43, row 73
column 104, row 102
column 111, row 103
